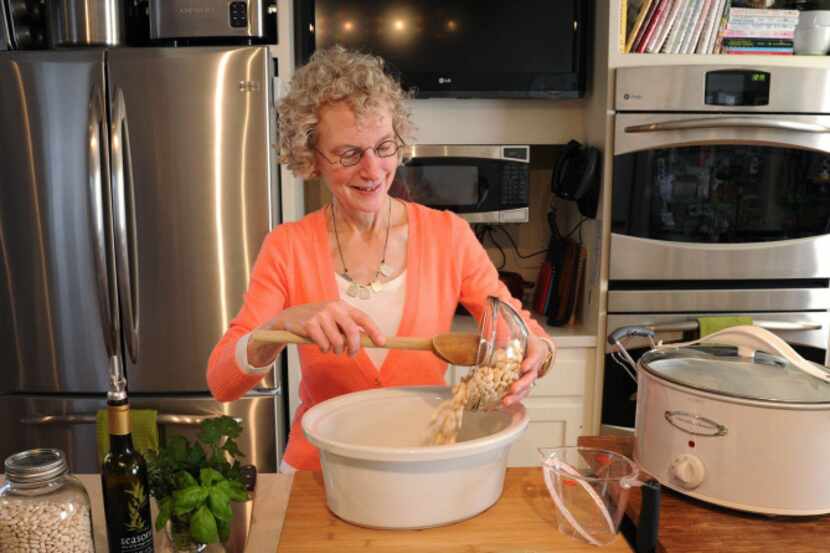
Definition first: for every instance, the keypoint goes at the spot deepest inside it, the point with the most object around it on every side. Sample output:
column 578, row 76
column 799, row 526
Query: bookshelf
column 599, row 131
column 620, row 59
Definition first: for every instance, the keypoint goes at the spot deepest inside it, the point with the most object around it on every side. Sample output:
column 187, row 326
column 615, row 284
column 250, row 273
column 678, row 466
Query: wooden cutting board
column 691, row 526
column 521, row 521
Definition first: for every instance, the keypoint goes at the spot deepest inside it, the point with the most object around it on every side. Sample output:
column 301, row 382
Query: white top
column 384, row 307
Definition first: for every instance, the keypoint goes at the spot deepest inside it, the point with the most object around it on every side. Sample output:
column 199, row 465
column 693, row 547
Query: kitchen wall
column 544, row 124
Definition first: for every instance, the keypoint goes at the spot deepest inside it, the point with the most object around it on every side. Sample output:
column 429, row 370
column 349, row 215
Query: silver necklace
column 356, row 289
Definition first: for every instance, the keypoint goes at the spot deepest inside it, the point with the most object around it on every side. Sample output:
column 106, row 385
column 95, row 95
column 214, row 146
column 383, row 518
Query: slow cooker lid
column 719, row 369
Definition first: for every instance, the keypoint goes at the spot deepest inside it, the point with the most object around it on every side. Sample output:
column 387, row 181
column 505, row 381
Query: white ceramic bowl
column 378, row 473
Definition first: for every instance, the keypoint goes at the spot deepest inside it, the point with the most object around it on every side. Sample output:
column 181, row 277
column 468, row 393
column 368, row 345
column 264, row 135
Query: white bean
column 45, row 527
column 482, row 388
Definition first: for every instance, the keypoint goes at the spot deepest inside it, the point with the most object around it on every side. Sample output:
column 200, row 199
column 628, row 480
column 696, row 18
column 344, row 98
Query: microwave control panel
column 516, row 182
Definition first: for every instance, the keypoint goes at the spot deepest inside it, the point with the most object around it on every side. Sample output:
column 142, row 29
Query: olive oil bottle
column 124, row 484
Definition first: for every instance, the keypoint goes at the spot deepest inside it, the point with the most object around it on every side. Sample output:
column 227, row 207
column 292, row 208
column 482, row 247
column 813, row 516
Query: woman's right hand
column 334, row 326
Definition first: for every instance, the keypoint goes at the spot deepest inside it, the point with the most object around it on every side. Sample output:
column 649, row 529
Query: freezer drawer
column 69, row 424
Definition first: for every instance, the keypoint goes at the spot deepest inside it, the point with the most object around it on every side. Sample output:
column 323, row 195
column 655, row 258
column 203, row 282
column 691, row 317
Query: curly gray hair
column 334, row 75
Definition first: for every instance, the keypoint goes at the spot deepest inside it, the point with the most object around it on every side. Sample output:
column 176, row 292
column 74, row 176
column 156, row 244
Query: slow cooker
column 737, row 419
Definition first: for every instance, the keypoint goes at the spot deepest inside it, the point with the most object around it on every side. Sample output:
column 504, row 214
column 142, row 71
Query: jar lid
column 721, row 370
column 36, row 465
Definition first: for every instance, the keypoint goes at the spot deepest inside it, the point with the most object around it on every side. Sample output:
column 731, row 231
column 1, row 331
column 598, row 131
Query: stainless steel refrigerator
column 136, row 186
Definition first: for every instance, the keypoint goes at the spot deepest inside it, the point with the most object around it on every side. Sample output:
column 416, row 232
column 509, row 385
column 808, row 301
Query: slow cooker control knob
column 688, row 470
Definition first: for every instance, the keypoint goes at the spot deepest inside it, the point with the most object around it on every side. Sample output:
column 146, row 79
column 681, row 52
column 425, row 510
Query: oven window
column 722, row 194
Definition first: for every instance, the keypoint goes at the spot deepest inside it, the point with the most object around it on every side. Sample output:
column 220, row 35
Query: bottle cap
column 36, row 466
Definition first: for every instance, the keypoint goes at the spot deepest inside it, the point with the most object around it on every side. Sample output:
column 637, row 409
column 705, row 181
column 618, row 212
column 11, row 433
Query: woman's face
column 362, row 187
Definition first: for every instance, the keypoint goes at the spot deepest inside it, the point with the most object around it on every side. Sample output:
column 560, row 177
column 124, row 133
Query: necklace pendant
column 376, row 286
column 385, row 270
column 363, row 293
column 353, row 290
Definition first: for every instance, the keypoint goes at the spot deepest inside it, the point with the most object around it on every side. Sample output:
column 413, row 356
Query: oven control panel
column 721, row 88
column 737, row 87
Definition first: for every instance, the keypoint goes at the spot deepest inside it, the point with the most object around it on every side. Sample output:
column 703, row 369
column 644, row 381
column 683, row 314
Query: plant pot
column 178, row 535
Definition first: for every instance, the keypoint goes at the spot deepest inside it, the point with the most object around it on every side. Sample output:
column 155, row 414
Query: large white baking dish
column 379, row 474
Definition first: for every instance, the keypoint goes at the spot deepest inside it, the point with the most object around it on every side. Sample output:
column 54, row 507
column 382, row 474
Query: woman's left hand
column 534, row 361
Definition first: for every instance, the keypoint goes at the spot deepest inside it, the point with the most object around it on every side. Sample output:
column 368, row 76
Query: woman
column 365, row 263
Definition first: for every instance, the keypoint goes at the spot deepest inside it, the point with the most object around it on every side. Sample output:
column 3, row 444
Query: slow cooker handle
column 631, row 330
column 749, row 339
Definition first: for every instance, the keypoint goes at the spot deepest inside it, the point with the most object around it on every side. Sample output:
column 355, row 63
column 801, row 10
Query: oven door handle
column 768, row 325
column 728, row 122
column 89, row 418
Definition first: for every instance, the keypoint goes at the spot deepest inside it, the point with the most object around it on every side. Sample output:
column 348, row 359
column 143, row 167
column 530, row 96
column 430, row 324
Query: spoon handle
column 392, row 342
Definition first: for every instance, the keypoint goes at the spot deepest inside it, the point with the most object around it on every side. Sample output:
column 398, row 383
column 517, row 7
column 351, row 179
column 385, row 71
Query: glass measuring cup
column 590, row 489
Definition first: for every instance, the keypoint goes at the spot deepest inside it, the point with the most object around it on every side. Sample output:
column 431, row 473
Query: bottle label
column 128, row 520
column 137, row 536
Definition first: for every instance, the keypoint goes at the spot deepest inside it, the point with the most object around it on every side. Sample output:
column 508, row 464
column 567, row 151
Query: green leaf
column 231, row 447
column 165, row 511
column 203, row 526
column 220, row 504
column 207, row 476
column 229, row 427
column 234, row 490
column 224, row 529
column 184, row 479
column 177, row 446
column 210, row 431
column 188, row 499
column 196, row 456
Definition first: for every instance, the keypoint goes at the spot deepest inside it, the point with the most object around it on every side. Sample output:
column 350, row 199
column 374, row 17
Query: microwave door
column 483, row 184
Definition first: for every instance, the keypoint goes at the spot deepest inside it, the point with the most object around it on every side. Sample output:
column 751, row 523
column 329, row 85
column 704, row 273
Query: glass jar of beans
column 43, row 508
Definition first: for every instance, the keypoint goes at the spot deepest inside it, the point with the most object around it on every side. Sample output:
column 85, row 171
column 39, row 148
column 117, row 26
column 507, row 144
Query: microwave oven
column 181, row 19
column 482, row 183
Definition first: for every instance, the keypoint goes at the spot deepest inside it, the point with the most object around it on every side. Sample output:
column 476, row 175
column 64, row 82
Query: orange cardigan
column 445, row 265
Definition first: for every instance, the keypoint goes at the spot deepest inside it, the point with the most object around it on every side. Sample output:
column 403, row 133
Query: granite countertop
column 270, row 503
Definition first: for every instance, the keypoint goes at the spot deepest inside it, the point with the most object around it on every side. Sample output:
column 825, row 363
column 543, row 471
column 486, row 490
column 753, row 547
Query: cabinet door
column 553, row 423
column 556, row 406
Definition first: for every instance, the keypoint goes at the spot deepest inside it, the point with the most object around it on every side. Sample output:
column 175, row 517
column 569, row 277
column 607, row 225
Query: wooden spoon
column 454, row 348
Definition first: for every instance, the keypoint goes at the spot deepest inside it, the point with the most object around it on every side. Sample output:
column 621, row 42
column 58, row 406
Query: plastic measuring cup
column 590, row 489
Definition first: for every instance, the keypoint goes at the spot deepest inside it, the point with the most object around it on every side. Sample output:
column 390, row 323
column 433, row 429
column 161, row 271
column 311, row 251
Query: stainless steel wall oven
column 720, row 206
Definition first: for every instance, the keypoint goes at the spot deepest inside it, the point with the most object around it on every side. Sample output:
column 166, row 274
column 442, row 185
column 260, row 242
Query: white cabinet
column 556, row 406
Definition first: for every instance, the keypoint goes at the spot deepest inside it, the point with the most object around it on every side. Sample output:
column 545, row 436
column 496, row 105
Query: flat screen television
column 459, row 48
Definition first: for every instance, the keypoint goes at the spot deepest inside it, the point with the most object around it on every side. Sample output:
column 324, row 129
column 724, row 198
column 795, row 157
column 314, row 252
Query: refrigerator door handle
column 89, row 418
column 98, row 168
column 126, row 250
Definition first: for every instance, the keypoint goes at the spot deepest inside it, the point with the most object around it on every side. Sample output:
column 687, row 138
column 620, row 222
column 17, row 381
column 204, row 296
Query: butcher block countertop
column 691, row 526
column 521, row 521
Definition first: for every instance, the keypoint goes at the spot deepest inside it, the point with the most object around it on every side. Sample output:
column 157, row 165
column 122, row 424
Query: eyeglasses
column 352, row 156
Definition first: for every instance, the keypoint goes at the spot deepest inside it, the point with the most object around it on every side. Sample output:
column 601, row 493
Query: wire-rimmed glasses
column 352, row 156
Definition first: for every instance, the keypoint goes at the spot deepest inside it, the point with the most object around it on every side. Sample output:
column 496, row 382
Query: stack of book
column 672, row 26
column 758, row 31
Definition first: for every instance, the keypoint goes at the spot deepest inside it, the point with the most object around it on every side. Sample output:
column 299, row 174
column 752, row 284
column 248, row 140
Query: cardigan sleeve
column 479, row 277
column 267, row 295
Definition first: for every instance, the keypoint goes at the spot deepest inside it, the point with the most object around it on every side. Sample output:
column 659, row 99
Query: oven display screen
column 442, row 185
column 733, row 87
